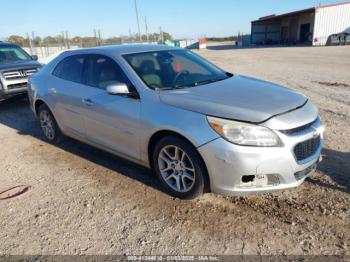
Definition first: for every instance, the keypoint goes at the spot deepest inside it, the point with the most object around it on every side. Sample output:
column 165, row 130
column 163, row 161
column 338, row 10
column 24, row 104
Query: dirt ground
column 85, row 201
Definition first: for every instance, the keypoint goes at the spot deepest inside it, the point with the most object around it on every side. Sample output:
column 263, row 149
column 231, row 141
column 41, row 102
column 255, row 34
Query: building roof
column 270, row 17
column 308, row 10
column 336, row 4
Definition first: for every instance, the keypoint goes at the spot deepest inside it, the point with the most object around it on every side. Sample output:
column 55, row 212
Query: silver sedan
column 198, row 127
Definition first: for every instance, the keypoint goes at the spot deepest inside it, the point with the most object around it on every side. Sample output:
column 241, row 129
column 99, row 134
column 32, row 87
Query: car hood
column 239, row 98
column 26, row 64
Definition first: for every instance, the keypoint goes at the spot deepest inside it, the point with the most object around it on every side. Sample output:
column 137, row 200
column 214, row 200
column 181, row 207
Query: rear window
column 71, row 69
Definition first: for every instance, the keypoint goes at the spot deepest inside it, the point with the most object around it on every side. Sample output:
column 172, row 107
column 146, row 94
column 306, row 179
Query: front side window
column 174, row 69
column 71, row 68
column 104, row 72
column 13, row 54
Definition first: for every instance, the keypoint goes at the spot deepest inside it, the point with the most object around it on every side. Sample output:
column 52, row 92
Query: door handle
column 52, row 90
column 88, row 102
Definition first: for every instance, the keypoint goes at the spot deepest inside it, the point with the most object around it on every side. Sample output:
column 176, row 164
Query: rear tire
column 179, row 168
column 49, row 125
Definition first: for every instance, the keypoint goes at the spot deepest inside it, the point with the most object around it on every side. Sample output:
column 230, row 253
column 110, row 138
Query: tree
column 167, row 36
column 49, row 40
column 18, row 40
column 77, row 40
column 37, row 41
column 85, row 41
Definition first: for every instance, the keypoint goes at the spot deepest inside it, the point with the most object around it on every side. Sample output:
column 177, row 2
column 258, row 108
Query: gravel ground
column 85, row 201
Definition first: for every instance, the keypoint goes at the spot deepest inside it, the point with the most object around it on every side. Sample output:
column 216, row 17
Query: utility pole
column 130, row 36
column 146, row 27
column 33, row 39
column 161, row 35
column 67, row 40
column 30, row 44
column 95, row 36
column 63, row 41
column 99, row 37
column 137, row 20
column 33, row 43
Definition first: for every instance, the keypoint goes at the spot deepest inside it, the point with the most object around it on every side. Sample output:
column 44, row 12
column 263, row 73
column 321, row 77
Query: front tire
column 49, row 125
column 179, row 168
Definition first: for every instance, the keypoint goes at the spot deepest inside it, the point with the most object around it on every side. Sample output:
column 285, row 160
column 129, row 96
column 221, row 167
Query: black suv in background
column 15, row 67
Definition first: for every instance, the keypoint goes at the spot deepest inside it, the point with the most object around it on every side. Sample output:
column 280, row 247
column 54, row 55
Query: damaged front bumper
column 241, row 170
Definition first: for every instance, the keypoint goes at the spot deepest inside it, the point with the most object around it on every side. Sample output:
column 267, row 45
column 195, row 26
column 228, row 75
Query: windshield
column 174, row 69
column 12, row 54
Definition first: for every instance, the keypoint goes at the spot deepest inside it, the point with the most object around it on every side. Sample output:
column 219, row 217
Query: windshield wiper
column 198, row 83
column 208, row 81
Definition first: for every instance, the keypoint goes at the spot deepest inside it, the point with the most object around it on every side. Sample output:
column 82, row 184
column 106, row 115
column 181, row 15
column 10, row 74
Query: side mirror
column 118, row 89
column 35, row 57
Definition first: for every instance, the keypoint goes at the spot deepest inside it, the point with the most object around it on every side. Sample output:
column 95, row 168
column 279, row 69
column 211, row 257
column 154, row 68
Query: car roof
column 123, row 49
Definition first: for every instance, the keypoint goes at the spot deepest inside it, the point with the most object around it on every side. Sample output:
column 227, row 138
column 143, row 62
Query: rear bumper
column 241, row 170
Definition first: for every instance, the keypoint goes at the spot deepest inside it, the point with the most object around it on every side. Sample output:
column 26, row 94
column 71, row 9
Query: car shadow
column 15, row 113
column 336, row 166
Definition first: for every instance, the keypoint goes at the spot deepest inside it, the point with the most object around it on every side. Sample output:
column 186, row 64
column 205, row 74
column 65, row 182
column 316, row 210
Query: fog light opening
column 248, row 179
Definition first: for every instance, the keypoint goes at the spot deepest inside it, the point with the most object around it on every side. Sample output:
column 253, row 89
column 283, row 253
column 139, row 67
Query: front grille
column 17, row 86
column 19, row 74
column 307, row 148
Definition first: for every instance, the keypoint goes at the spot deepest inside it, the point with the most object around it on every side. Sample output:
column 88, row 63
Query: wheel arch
column 37, row 104
column 157, row 136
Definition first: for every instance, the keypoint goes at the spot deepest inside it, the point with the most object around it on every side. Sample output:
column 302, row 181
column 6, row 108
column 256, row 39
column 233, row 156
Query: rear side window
column 71, row 69
column 104, row 71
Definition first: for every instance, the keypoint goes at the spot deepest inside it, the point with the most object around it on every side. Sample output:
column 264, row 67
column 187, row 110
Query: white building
column 309, row 26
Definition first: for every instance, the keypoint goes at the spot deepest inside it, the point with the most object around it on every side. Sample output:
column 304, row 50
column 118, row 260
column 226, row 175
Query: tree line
column 61, row 40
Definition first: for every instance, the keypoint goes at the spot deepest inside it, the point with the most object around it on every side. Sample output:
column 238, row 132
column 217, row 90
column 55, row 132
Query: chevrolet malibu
column 198, row 127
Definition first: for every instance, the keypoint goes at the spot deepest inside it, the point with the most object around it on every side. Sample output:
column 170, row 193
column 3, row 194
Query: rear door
column 111, row 120
column 66, row 89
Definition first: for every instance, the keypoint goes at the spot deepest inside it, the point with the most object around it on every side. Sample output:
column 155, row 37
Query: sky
column 181, row 18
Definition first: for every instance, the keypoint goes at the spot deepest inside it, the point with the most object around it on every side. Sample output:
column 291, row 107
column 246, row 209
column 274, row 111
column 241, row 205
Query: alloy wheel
column 47, row 124
column 176, row 168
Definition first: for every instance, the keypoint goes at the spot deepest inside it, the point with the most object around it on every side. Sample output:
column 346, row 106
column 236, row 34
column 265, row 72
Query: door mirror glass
column 35, row 57
column 118, row 89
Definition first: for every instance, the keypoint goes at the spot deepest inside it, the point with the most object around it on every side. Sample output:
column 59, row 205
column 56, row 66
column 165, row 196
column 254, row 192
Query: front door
column 111, row 120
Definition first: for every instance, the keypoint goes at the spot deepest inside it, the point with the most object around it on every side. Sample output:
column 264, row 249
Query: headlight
column 243, row 133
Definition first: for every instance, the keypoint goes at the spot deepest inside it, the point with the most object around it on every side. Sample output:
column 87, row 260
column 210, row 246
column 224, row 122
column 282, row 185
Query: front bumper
column 241, row 170
column 5, row 94
column 14, row 81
